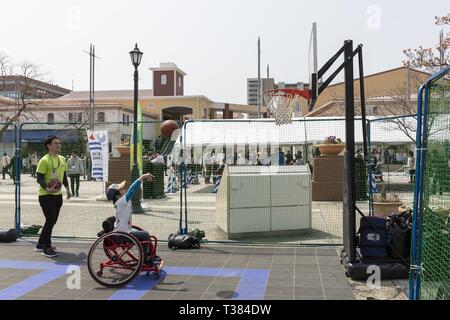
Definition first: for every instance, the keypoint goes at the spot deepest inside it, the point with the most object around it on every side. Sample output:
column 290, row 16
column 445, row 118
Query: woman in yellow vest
column 51, row 175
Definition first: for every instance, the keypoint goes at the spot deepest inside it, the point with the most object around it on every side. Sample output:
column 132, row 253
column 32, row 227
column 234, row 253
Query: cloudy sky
column 213, row 41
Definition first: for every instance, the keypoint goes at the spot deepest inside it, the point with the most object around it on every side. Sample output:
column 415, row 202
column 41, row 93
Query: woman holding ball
column 51, row 174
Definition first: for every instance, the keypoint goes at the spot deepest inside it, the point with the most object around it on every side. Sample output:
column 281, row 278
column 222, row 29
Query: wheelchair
column 116, row 258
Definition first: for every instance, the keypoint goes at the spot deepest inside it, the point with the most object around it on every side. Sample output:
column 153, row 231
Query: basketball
column 56, row 184
column 167, row 127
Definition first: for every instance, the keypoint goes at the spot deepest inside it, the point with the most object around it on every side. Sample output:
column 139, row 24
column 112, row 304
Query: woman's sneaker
column 40, row 248
column 49, row 252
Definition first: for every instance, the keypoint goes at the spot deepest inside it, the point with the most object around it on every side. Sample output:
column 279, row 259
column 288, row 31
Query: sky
column 213, row 41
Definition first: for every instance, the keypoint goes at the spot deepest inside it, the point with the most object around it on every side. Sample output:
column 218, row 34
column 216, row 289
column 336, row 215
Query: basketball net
column 282, row 102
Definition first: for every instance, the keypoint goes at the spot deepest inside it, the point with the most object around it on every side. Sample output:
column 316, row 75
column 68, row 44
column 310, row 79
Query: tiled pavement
column 210, row 273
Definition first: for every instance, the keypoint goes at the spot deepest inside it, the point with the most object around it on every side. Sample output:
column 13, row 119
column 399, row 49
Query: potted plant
column 331, row 146
column 124, row 147
column 385, row 204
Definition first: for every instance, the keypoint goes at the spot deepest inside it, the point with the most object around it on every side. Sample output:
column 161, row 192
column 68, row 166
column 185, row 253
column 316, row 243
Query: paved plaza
column 213, row 272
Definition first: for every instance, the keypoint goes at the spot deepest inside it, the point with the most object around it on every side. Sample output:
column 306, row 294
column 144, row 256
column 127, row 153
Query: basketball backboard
column 312, row 65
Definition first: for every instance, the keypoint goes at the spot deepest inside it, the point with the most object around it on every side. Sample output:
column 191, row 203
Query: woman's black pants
column 50, row 204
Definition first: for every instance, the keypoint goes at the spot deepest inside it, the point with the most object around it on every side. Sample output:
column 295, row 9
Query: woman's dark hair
column 411, row 154
column 49, row 140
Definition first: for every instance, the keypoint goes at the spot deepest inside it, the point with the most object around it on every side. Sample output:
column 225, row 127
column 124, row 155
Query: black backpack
column 107, row 225
column 179, row 241
column 399, row 234
column 197, row 233
column 9, row 236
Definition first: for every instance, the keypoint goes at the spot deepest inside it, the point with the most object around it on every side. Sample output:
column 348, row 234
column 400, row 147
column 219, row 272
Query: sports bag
column 178, row 241
column 372, row 232
column 9, row 236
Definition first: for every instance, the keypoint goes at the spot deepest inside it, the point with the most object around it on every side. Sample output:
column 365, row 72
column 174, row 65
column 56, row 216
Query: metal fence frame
column 17, row 184
column 421, row 153
column 18, row 153
column 183, row 135
column 369, row 148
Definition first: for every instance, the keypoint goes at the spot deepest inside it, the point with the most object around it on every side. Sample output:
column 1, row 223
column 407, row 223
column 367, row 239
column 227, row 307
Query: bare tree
column 79, row 124
column 20, row 107
column 427, row 60
column 401, row 108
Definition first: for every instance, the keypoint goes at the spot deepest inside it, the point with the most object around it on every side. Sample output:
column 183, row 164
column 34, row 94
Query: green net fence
column 8, row 200
column 392, row 162
column 435, row 277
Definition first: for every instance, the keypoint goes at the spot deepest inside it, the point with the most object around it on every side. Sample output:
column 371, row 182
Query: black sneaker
column 49, row 253
column 40, row 248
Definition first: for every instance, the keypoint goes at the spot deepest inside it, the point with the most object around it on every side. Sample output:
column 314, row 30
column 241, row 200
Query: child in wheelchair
column 122, row 203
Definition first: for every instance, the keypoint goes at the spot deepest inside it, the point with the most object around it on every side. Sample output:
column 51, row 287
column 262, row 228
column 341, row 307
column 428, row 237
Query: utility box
column 272, row 200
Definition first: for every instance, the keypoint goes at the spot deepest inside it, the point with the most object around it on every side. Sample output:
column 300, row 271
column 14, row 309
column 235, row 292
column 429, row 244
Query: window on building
column 373, row 110
column 75, row 117
column 163, row 79
column 50, row 118
column 126, row 119
column 179, row 82
column 101, row 117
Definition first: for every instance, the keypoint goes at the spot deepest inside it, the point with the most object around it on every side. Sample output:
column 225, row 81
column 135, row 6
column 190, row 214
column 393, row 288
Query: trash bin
column 154, row 189
column 146, row 186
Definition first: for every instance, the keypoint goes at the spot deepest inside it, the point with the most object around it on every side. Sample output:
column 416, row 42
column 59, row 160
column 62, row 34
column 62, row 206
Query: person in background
column 75, row 169
column 281, row 159
column 34, row 162
column 300, row 161
column 13, row 168
column 410, row 166
column 359, row 154
column 25, row 164
column 208, row 160
column 6, row 163
column 386, row 155
column 158, row 158
column 373, row 160
column 264, row 159
column 289, row 157
column 241, row 159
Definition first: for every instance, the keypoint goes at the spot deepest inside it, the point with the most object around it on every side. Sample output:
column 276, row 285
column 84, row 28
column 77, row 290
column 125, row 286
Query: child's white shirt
column 123, row 215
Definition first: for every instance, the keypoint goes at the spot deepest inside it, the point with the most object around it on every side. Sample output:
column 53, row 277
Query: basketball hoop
column 282, row 102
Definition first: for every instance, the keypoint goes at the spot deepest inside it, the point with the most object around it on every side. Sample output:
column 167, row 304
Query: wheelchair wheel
column 115, row 259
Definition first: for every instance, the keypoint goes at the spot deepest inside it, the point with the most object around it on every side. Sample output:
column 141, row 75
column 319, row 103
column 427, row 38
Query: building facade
column 115, row 108
column 17, row 87
column 388, row 93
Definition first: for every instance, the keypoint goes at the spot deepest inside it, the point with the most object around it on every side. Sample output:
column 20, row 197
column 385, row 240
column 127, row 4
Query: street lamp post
column 136, row 56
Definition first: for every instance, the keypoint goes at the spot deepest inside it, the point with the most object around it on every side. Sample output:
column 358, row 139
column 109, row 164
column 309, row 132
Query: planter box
column 327, row 191
column 328, row 178
column 123, row 150
column 329, row 149
column 384, row 209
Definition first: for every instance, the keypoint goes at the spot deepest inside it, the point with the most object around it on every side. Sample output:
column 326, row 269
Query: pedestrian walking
column 75, row 169
column 34, row 162
column 6, row 164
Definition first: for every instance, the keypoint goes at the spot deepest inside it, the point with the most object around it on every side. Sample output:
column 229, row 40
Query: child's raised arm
column 135, row 185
